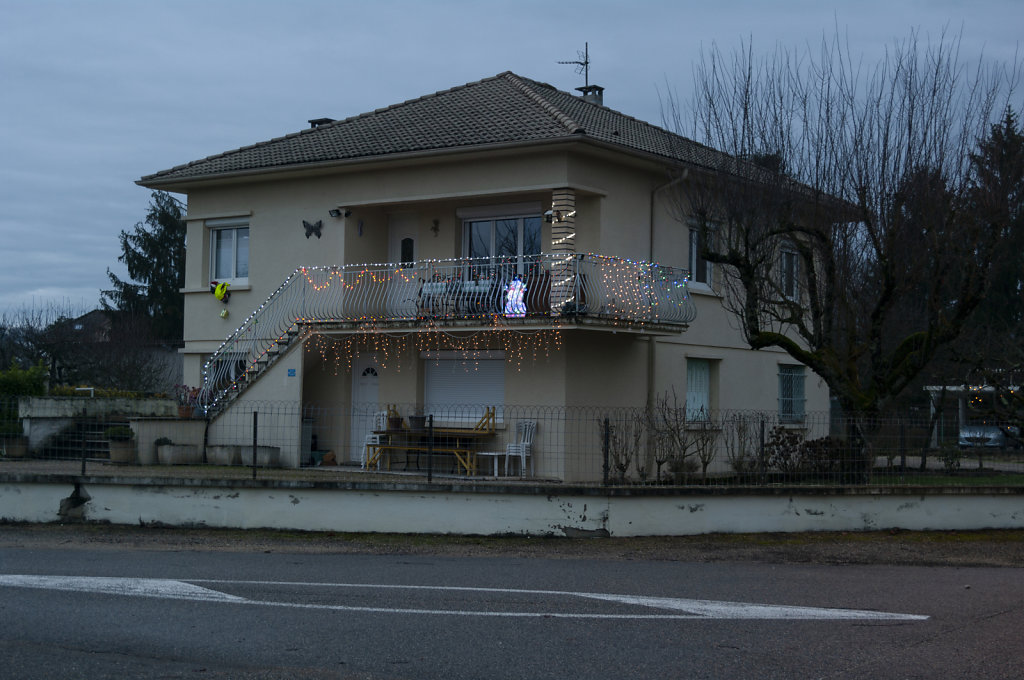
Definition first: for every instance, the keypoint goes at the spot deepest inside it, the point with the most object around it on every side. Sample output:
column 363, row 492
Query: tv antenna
column 582, row 63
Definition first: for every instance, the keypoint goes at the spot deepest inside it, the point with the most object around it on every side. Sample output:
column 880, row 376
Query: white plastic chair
column 525, row 430
column 380, row 422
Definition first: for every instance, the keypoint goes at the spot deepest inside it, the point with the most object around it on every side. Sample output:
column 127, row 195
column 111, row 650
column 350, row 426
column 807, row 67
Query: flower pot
column 223, row 455
column 266, row 456
column 179, row 454
column 122, row 451
column 185, row 411
column 394, row 422
column 15, row 447
column 418, row 422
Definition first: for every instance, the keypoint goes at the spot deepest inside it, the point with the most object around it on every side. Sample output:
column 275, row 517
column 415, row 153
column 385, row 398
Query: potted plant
column 121, row 442
column 418, row 421
column 187, row 398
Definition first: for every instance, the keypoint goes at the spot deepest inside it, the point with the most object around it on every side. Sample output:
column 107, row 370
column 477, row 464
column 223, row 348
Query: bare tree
column 99, row 348
column 843, row 218
column 740, row 440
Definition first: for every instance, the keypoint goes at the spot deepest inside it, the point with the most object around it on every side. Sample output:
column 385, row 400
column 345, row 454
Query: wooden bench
column 465, row 458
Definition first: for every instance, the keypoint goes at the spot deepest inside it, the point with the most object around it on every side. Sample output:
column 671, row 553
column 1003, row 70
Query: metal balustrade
column 547, row 288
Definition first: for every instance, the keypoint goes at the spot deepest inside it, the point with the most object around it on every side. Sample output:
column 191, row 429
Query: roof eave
column 155, row 182
column 171, row 184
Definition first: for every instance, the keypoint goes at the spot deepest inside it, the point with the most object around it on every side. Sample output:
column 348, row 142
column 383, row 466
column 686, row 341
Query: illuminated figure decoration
column 514, row 305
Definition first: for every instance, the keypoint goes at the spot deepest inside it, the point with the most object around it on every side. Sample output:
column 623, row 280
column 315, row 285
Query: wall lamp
column 339, row 212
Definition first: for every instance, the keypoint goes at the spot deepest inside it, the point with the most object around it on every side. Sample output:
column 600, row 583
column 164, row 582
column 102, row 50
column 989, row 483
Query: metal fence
column 587, row 445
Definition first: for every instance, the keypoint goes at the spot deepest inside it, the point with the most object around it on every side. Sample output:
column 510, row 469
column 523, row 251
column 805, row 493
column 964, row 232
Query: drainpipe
column 651, row 344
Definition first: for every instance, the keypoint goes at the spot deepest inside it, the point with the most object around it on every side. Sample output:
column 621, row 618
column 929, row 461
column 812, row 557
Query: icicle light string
column 518, row 346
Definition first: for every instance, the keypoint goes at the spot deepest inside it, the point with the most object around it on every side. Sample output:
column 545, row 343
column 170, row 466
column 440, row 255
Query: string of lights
column 430, row 293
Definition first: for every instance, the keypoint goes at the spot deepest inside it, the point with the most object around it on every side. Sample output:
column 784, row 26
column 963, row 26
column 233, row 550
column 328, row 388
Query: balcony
column 572, row 288
column 563, row 290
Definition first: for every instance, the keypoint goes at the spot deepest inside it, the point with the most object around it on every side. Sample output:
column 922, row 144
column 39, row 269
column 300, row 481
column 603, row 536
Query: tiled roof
column 504, row 109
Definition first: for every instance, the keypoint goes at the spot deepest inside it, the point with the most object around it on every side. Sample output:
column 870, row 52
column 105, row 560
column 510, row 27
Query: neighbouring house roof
column 503, row 110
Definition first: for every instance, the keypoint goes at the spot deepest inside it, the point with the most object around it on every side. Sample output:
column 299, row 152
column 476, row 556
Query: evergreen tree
column 154, row 253
column 999, row 168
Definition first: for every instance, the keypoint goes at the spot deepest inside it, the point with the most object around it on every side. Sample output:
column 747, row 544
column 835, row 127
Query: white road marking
column 686, row 608
column 112, row 585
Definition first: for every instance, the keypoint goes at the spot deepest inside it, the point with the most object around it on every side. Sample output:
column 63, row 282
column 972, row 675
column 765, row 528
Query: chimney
column 593, row 94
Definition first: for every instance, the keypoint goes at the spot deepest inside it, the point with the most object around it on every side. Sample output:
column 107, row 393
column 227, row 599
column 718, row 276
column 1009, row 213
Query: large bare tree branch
column 866, row 175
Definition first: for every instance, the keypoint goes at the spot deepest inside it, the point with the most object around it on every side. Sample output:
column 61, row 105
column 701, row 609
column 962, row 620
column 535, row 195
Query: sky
column 95, row 94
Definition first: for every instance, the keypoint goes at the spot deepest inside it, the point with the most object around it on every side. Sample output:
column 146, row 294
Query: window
column 700, row 269
column 791, row 393
column 229, row 249
column 407, row 246
column 698, row 389
column 507, row 237
column 789, row 273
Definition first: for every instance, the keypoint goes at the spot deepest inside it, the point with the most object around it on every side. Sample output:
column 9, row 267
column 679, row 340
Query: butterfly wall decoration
column 313, row 228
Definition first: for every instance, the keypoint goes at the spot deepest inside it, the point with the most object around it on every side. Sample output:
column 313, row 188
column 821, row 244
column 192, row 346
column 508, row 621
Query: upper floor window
column 791, row 393
column 506, row 237
column 700, row 269
column 789, row 273
column 229, row 249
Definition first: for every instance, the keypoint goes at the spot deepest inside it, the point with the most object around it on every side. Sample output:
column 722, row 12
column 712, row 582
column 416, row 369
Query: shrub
column 99, row 392
column 10, row 428
column 23, row 382
column 162, row 441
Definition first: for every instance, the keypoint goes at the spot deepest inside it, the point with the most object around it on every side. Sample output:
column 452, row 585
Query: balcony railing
column 545, row 288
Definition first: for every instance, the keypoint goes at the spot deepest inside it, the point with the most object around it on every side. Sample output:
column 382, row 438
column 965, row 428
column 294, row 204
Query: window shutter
column 698, row 389
column 459, row 390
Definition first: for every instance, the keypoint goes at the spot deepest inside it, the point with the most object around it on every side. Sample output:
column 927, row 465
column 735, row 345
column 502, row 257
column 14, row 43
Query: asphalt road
column 257, row 609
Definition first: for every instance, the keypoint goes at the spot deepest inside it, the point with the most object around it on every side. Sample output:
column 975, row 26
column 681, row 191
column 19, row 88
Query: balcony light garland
column 631, row 292
column 389, row 347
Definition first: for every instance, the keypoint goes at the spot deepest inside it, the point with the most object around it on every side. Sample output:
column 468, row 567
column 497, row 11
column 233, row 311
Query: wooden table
column 457, row 441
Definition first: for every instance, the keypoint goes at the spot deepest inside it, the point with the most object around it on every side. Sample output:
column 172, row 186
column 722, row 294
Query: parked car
column 991, row 436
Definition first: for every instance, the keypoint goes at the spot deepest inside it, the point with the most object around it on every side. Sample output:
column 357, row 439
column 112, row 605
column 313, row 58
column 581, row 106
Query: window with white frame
column 791, row 393
column 229, row 250
column 789, row 272
column 698, row 389
column 700, row 269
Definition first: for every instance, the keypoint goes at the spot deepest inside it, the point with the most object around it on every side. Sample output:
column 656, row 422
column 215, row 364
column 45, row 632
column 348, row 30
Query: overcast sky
column 95, row 94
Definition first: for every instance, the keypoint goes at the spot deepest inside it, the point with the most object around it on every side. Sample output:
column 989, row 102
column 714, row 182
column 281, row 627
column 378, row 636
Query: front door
column 364, row 403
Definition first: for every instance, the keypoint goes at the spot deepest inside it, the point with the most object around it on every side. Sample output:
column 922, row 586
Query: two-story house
column 501, row 243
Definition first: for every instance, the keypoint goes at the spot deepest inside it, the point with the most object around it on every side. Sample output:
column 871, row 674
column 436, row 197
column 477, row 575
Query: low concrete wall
column 43, row 417
column 496, row 509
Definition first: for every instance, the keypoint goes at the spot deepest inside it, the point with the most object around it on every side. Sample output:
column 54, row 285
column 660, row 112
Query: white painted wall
column 546, row 511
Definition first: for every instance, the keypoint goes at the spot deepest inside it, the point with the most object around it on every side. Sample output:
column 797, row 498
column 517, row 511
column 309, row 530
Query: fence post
column 81, row 438
column 903, row 448
column 605, row 437
column 761, row 462
column 430, row 448
column 255, row 427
